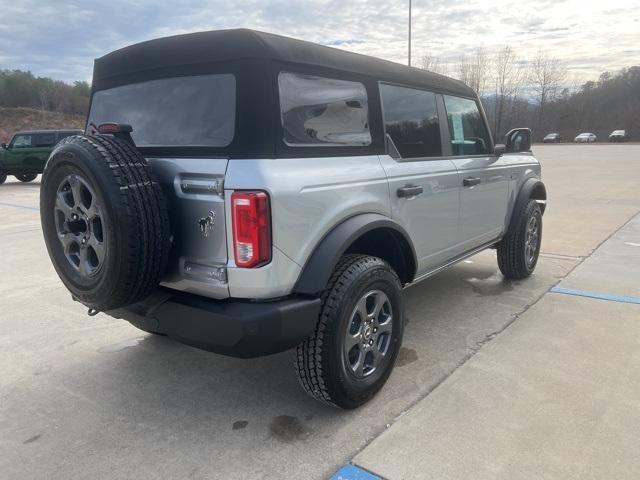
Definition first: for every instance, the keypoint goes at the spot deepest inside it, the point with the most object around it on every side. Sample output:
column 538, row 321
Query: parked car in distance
column 28, row 151
column 619, row 136
column 552, row 138
column 585, row 138
column 208, row 222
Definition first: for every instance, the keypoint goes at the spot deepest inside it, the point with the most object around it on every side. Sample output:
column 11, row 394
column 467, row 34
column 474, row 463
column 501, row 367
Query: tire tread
column 309, row 362
column 510, row 250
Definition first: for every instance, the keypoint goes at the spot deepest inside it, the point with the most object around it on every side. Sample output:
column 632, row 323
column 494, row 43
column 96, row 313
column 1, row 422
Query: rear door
column 423, row 186
column 484, row 177
column 42, row 145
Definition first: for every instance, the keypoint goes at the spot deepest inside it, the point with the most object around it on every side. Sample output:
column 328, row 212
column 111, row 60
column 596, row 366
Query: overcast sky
column 61, row 38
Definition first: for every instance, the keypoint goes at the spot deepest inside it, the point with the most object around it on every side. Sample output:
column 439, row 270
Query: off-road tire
column 3, row 175
column 512, row 259
column 318, row 360
column 27, row 177
column 135, row 225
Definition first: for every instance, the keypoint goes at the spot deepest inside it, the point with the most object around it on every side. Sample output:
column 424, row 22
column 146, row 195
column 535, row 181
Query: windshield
column 181, row 111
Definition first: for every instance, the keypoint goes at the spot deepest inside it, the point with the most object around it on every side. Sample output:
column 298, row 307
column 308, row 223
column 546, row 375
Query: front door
column 484, row 177
column 28, row 152
column 423, row 186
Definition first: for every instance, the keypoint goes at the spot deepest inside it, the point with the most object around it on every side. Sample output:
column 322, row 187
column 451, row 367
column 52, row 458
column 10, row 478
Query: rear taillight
column 251, row 218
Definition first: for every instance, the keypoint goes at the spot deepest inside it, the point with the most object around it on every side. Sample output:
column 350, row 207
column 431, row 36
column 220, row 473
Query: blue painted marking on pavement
column 2, row 204
column 351, row 472
column 599, row 295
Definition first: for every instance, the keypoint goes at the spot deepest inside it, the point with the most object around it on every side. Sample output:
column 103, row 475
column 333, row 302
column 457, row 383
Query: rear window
column 44, row 140
column 319, row 111
column 183, row 111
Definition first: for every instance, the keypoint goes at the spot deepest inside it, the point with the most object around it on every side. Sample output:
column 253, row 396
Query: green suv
column 28, row 151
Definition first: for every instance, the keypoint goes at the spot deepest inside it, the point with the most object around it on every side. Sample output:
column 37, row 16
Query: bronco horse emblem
column 207, row 223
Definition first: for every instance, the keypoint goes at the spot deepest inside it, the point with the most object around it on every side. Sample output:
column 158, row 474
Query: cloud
column 61, row 39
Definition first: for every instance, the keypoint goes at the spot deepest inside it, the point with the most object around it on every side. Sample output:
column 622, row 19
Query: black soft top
column 130, row 63
column 255, row 59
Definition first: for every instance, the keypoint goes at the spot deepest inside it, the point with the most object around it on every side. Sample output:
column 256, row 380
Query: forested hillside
column 28, row 102
column 20, row 118
column 610, row 103
column 23, row 89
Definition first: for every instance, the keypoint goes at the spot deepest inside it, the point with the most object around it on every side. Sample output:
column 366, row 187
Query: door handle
column 471, row 181
column 409, row 191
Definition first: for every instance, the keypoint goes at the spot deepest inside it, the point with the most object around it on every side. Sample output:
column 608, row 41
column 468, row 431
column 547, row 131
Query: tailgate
column 195, row 194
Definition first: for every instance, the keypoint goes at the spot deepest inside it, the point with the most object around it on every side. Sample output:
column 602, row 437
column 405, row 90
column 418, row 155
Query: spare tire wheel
column 105, row 221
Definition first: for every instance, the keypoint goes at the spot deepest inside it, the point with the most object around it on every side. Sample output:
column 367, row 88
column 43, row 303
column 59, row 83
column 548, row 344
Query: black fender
column 531, row 188
column 320, row 265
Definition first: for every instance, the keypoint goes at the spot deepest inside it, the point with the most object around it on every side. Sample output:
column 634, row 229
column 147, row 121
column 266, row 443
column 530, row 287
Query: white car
column 585, row 138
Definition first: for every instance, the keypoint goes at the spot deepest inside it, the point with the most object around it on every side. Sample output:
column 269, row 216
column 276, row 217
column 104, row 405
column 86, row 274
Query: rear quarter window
column 189, row 111
column 44, row 140
column 320, row 111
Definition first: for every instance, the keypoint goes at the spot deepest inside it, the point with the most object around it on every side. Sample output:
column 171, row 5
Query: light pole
column 409, row 33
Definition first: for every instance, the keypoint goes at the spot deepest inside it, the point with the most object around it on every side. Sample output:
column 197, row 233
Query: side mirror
column 499, row 149
column 518, row 140
column 3, row 145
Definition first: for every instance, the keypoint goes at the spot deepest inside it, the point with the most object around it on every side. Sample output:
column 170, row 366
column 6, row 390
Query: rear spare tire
column 105, row 221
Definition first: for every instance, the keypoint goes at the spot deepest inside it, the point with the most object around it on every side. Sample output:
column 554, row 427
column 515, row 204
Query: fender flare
column 320, row 265
column 533, row 186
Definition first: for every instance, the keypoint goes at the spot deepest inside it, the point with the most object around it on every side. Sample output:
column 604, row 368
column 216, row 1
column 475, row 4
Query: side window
column 411, row 119
column 21, row 141
column 468, row 132
column 319, row 111
column 44, row 140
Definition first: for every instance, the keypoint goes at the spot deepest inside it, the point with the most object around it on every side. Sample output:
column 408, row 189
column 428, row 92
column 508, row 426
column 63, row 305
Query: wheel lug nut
column 375, row 330
column 84, row 240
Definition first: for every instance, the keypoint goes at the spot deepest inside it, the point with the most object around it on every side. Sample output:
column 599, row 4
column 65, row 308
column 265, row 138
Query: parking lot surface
column 553, row 396
column 94, row 397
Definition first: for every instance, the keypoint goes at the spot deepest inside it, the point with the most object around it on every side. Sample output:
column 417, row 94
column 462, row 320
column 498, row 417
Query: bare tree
column 547, row 75
column 43, row 97
column 507, row 81
column 433, row 63
column 473, row 70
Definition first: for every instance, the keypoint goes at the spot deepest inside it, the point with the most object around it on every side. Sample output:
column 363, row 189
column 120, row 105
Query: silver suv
column 247, row 193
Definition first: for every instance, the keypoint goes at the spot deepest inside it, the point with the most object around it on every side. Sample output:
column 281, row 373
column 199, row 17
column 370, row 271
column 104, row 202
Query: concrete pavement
column 555, row 395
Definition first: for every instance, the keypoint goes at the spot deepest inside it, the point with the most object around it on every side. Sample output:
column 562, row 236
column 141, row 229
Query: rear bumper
column 233, row 327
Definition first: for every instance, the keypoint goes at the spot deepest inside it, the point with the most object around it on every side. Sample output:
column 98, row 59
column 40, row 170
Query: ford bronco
column 28, row 151
column 247, row 193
